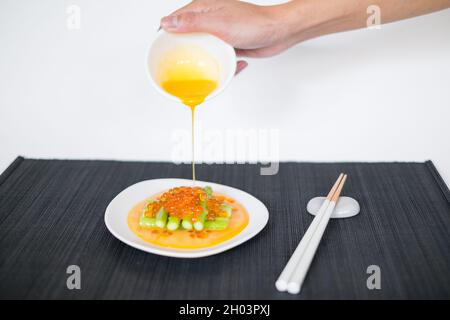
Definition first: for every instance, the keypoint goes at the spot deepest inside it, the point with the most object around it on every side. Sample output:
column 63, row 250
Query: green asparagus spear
column 145, row 209
column 146, row 222
column 217, row 224
column 208, row 191
column 200, row 223
column 187, row 223
column 173, row 223
column 161, row 218
column 227, row 209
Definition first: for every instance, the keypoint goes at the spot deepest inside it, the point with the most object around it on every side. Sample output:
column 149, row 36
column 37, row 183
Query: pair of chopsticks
column 293, row 275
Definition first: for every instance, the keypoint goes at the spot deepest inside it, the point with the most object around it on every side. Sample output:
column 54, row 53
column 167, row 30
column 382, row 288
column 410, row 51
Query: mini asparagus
column 217, row 224
column 173, row 223
column 208, row 191
column 146, row 222
column 146, row 208
column 227, row 209
column 187, row 223
column 199, row 225
column 161, row 218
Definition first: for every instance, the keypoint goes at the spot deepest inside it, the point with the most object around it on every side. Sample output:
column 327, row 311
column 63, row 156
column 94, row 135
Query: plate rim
column 203, row 252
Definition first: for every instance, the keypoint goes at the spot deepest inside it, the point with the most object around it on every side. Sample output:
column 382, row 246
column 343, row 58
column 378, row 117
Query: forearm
column 305, row 19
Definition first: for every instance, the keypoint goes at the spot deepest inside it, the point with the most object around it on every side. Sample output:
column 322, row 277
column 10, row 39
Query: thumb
column 187, row 22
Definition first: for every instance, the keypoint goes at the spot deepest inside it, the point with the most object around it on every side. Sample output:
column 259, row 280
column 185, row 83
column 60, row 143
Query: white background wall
column 380, row 95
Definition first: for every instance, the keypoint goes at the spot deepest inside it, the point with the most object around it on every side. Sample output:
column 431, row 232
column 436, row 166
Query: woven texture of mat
column 51, row 216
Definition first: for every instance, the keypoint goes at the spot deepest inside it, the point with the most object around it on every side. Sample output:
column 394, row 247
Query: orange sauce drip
column 191, row 93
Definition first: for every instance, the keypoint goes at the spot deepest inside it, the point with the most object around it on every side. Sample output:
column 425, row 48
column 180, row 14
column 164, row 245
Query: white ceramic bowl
column 222, row 52
column 117, row 213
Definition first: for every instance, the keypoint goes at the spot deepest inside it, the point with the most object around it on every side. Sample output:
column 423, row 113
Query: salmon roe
column 184, row 202
column 214, row 207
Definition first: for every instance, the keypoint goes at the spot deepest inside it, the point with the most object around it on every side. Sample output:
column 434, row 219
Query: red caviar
column 185, row 202
column 214, row 207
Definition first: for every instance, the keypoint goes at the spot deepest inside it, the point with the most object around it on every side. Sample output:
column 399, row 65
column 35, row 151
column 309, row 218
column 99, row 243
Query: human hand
column 254, row 31
column 262, row 31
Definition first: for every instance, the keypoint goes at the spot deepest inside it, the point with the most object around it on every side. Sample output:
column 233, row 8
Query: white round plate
column 117, row 212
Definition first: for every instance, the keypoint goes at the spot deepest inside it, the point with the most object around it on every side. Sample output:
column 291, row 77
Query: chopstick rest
column 346, row 207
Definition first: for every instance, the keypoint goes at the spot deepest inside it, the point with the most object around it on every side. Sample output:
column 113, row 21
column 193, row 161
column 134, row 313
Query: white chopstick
column 296, row 280
column 285, row 276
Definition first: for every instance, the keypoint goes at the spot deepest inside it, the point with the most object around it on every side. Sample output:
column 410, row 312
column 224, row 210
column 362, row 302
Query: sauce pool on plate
column 182, row 238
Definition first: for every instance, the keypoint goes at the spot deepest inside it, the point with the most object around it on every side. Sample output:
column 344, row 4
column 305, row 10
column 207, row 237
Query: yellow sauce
column 191, row 92
column 190, row 74
column 184, row 239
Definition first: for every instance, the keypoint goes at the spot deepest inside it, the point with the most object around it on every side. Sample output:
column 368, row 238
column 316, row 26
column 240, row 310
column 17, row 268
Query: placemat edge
column 10, row 169
column 438, row 178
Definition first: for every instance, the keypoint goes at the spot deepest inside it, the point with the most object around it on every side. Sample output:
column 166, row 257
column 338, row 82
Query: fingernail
column 169, row 22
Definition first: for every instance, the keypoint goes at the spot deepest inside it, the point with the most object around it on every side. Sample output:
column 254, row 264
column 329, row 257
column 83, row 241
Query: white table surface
column 380, row 95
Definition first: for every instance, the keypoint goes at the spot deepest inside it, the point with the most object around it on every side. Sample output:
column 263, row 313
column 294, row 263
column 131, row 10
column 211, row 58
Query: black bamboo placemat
column 51, row 216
